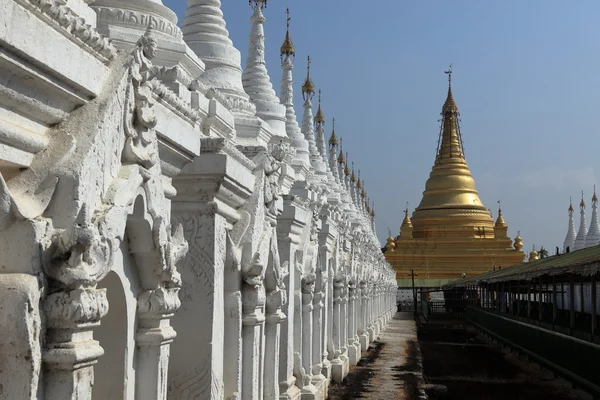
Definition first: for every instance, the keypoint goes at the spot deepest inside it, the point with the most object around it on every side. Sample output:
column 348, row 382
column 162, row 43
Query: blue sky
column 526, row 80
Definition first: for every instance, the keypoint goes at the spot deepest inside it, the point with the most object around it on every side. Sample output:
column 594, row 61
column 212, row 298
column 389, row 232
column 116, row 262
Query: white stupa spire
column 581, row 234
column 205, row 32
column 308, row 125
column 593, row 235
column 288, row 53
column 255, row 78
column 320, row 141
column 569, row 242
column 333, row 159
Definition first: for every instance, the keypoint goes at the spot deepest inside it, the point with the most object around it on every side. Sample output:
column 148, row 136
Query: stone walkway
column 390, row 370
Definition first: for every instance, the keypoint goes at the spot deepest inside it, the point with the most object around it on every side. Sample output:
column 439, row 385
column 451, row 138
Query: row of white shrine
column 167, row 229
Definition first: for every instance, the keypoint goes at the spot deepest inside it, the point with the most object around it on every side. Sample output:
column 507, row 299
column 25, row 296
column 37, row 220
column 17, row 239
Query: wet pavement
column 390, row 369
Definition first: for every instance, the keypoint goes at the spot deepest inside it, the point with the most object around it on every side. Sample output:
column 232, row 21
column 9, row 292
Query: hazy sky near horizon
column 526, row 80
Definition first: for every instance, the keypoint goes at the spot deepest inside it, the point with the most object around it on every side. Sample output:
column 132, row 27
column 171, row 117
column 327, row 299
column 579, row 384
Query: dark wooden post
column 528, row 300
column 593, row 309
column 518, row 299
column 540, row 303
column 571, row 303
column 412, row 275
column 582, row 301
column 553, row 302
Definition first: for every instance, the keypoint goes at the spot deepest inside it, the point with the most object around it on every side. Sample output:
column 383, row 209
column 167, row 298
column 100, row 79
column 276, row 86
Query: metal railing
column 573, row 358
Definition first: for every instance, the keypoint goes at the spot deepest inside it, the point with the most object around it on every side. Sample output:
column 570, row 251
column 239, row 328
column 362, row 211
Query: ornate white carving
column 74, row 25
column 82, row 254
column 136, row 18
column 73, row 307
column 140, row 119
column 27, row 206
column 159, row 302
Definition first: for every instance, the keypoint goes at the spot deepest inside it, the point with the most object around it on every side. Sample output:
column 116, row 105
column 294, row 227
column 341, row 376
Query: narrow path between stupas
column 390, row 369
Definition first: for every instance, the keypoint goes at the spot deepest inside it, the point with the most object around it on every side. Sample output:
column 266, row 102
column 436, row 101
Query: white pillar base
column 364, row 341
column 353, row 352
column 339, row 369
column 288, row 390
column 309, row 392
column 320, row 382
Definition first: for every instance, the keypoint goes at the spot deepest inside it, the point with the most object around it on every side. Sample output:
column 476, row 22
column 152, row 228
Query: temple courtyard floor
column 445, row 360
column 390, row 369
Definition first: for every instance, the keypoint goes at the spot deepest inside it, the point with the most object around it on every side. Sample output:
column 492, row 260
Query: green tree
column 543, row 252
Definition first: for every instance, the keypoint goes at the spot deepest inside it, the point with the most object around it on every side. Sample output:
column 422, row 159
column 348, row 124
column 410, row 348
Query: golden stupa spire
column 450, row 201
column 308, row 88
column 390, row 245
column 287, row 48
column 571, row 209
column 594, row 197
column 340, row 158
column 582, row 203
column 500, row 220
column 373, row 209
column 406, row 222
column 450, row 140
column 320, row 117
column 333, row 140
column 358, row 183
column 353, row 176
column 346, row 169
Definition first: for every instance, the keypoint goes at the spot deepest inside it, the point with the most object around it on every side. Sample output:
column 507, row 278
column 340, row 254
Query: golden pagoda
column 451, row 233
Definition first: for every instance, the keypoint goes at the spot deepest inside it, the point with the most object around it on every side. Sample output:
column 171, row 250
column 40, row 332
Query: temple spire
column 450, row 197
column 308, row 124
column 450, row 139
column 581, row 234
column 301, row 161
column 593, row 235
column 569, row 243
column 287, row 48
column 255, row 77
column 205, row 32
column 500, row 220
column 321, row 142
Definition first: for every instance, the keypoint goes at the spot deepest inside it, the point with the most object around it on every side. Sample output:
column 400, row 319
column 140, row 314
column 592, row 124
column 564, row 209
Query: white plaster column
column 308, row 287
column 317, row 330
column 253, row 302
column 327, row 237
column 208, row 192
column 276, row 298
column 307, row 295
column 153, row 338
column 370, row 309
column 337, row 366
column 353, row 345
column 289, row 229
column 71, row 351
column 344, row 326
column 364, row 334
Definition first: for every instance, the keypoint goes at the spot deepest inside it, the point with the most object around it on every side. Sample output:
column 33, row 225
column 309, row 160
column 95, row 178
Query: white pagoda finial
column 569, row 243
column 593, row 235
column 581, row 234
column 256, row 80
column 204, row 30
column 308, row 123
column 301, row 159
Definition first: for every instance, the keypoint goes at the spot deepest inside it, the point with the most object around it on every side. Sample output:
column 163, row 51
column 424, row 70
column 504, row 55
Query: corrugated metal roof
column 584, row 262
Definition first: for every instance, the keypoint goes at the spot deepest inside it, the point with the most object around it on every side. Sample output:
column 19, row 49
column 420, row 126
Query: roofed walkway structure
column 546, row 308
